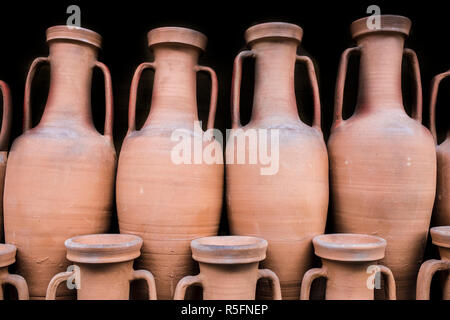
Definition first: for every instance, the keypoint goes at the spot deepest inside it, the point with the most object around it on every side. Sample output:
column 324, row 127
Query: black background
column 124, row 25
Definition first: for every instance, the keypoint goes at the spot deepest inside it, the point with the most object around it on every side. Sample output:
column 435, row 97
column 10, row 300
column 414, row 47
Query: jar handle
column 109, row 101
column 18, row 282
column 133, row 94
column 148, row 277
column 26, row 102
column 340, row 85
column 55, row 282
column 183, row 284
column 214, row 92
column 308, row 279
column 315, row 89
column 236, row 87
column 433, row 97
column 274, row 281
column 7, row 116
column 417, row 109
column 387, row 273
column 426, row 273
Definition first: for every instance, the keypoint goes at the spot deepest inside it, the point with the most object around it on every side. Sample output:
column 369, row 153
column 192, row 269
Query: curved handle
column 55, row 282
column 315, row 89
column 133, row 94
column 391, row 289
column 26, row 101
column 426, row 273
column 148, row 277
column 274, row 281
column 214, row 92
column 433, row 97
column 19, row 283
column 236, row 87
column 7, row 116
column 417, row 109
column 183, row 284
column 308, row 279
column 109, row 101
column 340, row 85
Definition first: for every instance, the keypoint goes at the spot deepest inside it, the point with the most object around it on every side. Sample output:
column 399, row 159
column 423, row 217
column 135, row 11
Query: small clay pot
column 441, row 238
column 349, row 263
column 103, row 267
column 229, row 268
column 7, row 258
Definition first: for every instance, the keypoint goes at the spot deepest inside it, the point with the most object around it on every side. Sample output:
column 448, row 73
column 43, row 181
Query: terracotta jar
column 287, row 205
column 7, row 258
column 165, row 202
column 103, row 267
column 60, row 174
column 229, row 268
column 349, row 263
column 4, row 143
column 441, row 239
column 383, row 162
column 441, row 216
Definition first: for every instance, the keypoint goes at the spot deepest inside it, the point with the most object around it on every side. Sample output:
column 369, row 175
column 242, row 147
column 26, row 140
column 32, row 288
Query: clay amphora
column 60, row 174
column 441, row 238
column 4, row 141
column 441, row 216
column 165, row 202
column 103, row 267
column 382, row 162
column 229, row 268
column 349, row 263
column 7, row 258
column 287, row 208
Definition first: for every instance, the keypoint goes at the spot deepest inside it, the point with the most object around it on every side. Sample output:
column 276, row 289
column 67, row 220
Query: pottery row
column 382, row 168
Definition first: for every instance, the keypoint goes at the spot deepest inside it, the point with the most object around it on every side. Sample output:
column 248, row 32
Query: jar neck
column 274, row 94
column 174, row 97
column 69, row 98
column 380, row 75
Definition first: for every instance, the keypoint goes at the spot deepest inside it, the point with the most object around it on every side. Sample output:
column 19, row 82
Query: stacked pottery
column 7, row 258
column 60, row 174
column 349, row 263
column 287, row 202
column 166, row 200
column 382, row 162
column 103, row 267
column 4, row 141
column 441, row 239
column 229, row 268
column 441, row 216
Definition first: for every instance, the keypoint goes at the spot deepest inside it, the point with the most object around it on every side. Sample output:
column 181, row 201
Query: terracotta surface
column 382, row 162
column 7, row 258
column 441, row 239
column 105, row 263
column 347, row 260
column 229, row 268
column 4, row 143
column 60, row 174
column 289, row 207
column 441, row 215
column 165, row 203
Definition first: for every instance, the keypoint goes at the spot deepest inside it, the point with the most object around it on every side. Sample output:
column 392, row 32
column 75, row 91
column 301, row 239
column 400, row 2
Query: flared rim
column 7, row 254
column 74, row 33
column 441, row 236
column 273, row 30
column 388, row 23
column 177, row 35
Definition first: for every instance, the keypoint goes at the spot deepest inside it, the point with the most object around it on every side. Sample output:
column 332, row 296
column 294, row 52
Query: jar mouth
column 103, row 248
column 349, row 247
column 388, row 23
column 229, row 249
column 74, row 33
column 274, row 30
column 7, row 254
column 441, row 236
column 177, row 35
